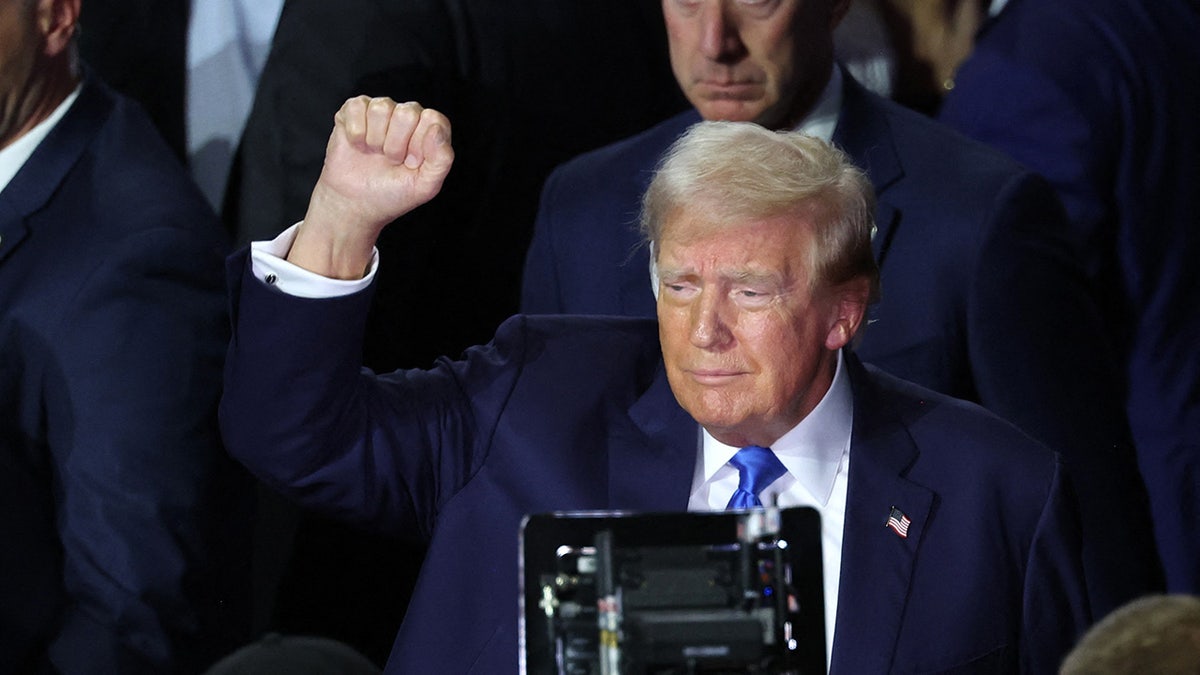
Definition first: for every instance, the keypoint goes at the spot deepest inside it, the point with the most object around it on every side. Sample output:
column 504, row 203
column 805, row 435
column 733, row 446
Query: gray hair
column 740, row 170
column 1153, row 634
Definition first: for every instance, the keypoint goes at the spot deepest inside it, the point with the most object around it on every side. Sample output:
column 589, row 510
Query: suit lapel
column 652, row 461
column 37, row 180
column 12, row 227
column 877, row 563
column 863, row 133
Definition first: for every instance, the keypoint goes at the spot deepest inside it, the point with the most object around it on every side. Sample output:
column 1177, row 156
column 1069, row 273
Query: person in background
column 1157, row 634
column 1109, row 94
column 123, row 525
column 276, row 654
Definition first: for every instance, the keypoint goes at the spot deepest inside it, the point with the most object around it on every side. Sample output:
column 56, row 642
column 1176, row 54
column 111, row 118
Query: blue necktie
column 757, row 468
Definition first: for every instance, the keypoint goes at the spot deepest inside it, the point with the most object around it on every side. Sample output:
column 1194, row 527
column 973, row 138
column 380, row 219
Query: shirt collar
column 822, row 119
column 811, row 451
column 13, row 157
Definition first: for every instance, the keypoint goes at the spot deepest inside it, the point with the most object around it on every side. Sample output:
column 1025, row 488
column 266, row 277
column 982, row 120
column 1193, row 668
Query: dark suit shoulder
column 642, row 149
column 102, row 200
column 599, row 348
column 107, row 146
column 953, row 432
column 929, row 149
column 579, row 328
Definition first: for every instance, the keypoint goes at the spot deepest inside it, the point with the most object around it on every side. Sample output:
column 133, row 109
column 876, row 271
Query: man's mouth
column 732, row 90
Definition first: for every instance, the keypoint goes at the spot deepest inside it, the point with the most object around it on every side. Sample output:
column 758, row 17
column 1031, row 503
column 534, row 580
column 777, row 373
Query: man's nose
column 720, row 38
column 709, row 327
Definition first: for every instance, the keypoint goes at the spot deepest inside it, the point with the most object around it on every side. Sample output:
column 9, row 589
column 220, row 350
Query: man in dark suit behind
column 1109, row 97
column 123, row 525
column 984, row 296
column 766, row 271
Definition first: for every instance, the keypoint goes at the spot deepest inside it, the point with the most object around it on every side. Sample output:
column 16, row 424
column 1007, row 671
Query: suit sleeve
column 1055, row 607
column 299, row 410
column 1043, row 360
column 152, row 516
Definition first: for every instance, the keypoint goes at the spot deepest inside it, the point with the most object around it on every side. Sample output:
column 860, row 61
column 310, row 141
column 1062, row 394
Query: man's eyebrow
column 675, row 272
column 757, row 277
column 739, row 276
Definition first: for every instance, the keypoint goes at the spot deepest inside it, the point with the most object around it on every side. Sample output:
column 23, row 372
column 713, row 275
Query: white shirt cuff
column 269, row 265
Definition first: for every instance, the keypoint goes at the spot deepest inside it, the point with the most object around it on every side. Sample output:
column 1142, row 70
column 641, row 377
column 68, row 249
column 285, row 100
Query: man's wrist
column 268, row 265
column 329, row 242
column 330, row 256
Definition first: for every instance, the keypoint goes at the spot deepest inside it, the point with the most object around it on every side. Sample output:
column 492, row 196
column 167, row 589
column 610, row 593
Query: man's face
column 763, row 61
column 749, row 347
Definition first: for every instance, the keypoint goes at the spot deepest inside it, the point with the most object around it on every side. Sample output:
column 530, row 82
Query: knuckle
column 409, row 109
column 380, row 106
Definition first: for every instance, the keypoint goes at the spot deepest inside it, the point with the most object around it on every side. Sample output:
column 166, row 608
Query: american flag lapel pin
column 898, row 522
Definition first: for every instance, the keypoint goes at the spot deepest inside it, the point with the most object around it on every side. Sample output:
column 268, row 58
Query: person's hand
column 383, row 160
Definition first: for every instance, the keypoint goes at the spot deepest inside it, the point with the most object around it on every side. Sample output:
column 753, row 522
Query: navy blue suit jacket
column 1102, row 97
column 114, row 493
column 983, row 297
column 564, row 413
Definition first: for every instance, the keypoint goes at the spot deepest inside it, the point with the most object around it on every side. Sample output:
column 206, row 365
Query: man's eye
column 678, row 289
column 749, row 297
column 752, row 292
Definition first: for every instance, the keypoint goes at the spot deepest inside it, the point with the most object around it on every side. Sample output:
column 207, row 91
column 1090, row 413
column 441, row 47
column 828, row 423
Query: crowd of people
column 259, row 377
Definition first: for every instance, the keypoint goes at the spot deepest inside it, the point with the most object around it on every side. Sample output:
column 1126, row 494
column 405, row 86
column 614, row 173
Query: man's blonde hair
column 740, row 170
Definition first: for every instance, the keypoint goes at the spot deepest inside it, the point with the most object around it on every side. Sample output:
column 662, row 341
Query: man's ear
column 850, row 300
column 57, row 20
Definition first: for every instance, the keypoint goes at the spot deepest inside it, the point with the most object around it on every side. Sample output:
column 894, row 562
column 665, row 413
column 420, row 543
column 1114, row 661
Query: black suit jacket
column 123, row 525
